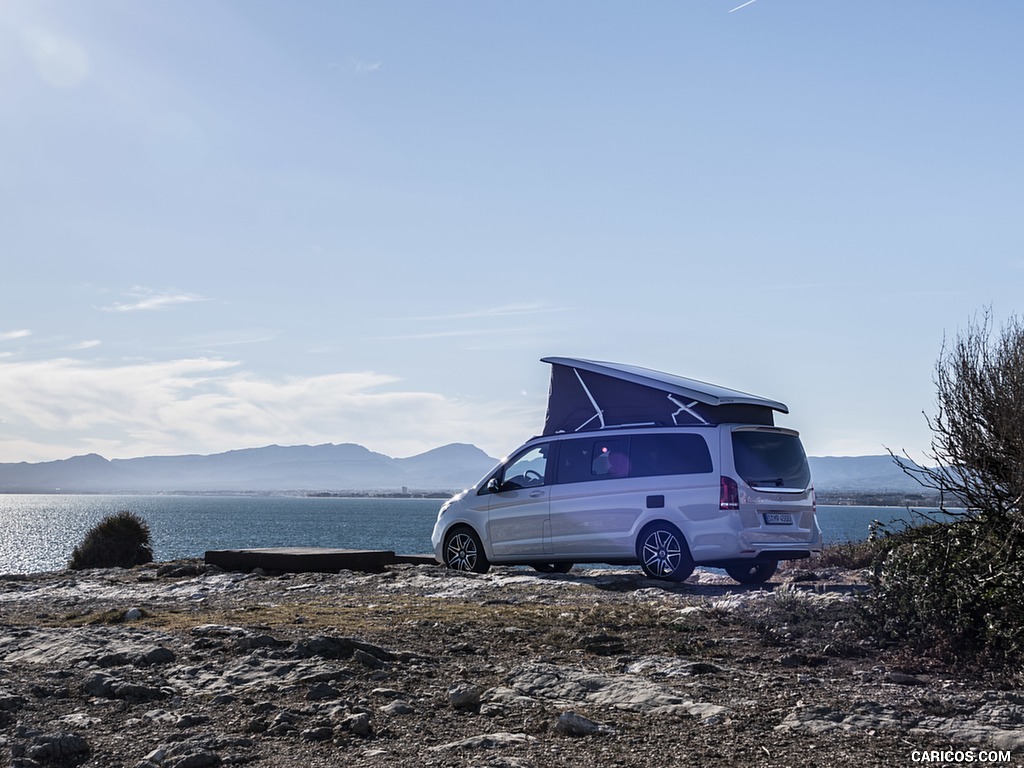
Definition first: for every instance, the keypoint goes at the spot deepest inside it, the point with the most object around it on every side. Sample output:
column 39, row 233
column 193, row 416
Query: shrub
column 954, row 591
column 117, row 541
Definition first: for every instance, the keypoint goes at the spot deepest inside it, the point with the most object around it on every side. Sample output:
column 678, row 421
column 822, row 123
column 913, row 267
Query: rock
column 219, row 630
column 367, row 659
column 793, row 660
column 572, row 724
column 135, row 656
column 322, row 691
column 553, row 684
column 464, row 695
column 156, row 655
column 259, row 641
column 98, row 684
column 702, row 668
column 11, row 703
column 179, row 570
column 901, row 678
column 486, row 741
column 160, row 717
column 191, row 720
column 200, row 759
column 154, row 758
column 496, row 700
column 136, row 692
column 998, row 723
column 328, row 647
column 133, row 614
column 79, row 720
column 358, row 724
column 389, row 693
column 864, row 716
column 284, row 718
column 398, row 707
column 114, row 659
column 57, row 747
column 321, row 733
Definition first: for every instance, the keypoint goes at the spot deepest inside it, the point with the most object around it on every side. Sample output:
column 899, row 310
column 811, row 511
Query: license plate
column 778, row 518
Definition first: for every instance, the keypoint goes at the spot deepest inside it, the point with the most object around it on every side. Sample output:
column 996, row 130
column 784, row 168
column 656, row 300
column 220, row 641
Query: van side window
column 667, row 454
column 641, row 455
column 527, row 470
column 588, row 459
column 610, row 459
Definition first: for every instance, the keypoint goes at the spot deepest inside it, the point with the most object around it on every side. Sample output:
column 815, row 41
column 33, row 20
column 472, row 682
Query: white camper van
column 640, row 467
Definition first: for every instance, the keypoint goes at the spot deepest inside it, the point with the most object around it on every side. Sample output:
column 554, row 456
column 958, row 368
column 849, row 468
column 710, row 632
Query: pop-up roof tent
column 589, row 394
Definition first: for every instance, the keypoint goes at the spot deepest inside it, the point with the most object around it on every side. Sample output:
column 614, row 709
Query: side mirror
column 493, row 486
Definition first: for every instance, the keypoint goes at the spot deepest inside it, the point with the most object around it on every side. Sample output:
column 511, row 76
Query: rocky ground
column 177, row 666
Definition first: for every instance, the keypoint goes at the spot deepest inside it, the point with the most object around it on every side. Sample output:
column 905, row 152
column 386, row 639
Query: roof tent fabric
column 588, row 395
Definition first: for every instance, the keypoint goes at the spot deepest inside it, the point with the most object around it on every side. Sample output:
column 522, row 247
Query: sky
column 234, row 223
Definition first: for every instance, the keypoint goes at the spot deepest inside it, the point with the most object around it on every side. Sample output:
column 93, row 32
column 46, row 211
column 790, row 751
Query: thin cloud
column 12, row 335
column 88, row 344
column 362, row 67
column 464, row 333
column 231, row 338
column 738, row 7
column 811, row 286
column 62, row 407
column 509, row 310
column 145, row 299
column 59, row 61
column 357, row 65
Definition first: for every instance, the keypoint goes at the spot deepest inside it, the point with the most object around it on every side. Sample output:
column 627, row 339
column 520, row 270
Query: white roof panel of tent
column 702, row 392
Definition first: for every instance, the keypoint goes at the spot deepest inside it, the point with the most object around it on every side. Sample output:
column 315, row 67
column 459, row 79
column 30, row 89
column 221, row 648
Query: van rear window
column 770, row 459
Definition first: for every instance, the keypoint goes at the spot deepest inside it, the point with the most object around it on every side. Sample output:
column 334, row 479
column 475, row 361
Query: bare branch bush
column 954, row 588
column 977, row 447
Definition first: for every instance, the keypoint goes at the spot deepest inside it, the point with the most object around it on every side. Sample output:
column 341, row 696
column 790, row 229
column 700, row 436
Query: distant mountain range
column 352, row 468
column 328, row 468
column 864, row 480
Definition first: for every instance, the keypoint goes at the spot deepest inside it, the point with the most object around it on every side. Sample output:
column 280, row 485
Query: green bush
column 954, row 591
column 117, row 541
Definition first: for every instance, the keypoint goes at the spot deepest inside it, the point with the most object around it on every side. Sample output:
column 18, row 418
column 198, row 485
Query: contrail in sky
column 749, row 2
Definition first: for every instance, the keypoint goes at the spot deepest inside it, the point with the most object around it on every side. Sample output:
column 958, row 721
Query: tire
column 464, row 552
column 663, row 553
column 754, row 572
column 553, row 567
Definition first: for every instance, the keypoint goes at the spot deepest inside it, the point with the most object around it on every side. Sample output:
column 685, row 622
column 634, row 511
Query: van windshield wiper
column 777, row 482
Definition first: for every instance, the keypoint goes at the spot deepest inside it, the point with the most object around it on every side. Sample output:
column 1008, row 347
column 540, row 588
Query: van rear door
column 776, row 499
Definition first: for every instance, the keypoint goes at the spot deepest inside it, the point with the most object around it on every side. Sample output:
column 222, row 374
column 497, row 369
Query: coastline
column 175, row 664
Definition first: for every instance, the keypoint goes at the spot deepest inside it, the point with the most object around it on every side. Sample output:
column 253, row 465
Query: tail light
column 729, row 494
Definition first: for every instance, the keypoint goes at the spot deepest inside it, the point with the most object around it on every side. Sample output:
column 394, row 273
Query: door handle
column 536, row 494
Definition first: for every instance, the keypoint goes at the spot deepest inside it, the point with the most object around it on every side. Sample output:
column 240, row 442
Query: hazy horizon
column 496, row 457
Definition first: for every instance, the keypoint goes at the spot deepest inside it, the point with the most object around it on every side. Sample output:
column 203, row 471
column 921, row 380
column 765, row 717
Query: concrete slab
column 310, row 559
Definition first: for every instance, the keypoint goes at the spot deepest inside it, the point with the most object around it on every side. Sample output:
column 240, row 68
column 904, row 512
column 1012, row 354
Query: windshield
column 767, row 459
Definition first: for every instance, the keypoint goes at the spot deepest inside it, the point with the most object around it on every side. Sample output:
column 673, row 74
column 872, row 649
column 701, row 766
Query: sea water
column 38, row 532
